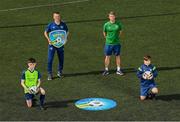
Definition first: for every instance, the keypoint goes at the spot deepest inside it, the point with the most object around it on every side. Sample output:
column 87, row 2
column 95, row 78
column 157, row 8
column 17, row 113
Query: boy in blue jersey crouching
column 146, row 73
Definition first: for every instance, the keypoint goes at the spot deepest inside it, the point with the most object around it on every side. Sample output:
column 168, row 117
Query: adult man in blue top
column 57, row 24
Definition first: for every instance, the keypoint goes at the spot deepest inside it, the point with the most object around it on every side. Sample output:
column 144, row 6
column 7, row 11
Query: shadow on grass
column 169, row 97
column 59, row 104
column 126, row 71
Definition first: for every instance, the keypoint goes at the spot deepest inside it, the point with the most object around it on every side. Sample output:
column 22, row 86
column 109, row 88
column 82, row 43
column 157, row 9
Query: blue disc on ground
column 95, row 104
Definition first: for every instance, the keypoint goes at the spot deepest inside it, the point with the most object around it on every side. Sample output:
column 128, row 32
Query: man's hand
column 50, row 43
column 47, row 37
column 104, row 34
column 121, row 34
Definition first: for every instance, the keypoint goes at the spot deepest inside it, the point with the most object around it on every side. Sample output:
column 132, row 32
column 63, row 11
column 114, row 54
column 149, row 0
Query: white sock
column 118, row 68
column 106, row 68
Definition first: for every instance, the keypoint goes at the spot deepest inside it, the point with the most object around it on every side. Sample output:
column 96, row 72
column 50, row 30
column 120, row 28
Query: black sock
column 153, row 95
column 42, row 98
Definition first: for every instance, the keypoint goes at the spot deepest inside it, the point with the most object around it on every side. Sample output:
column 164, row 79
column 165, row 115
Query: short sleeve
column 120, row 26
column 65, row 27
column 39, row 75
column 104, row 28
column 140, row 72
column 139, row 69
column 48, row 28
column 23, row 75
column 154, row 68
column 154, row 71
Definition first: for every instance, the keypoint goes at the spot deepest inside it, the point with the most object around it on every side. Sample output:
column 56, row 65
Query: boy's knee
column 29, row 106
column 155, row 90
column 42, row 91
column 142, row 98
column 29, row 103
column 108, row 57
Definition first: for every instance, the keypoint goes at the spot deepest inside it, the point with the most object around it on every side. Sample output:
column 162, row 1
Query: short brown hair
column 31, row 60
column 147, row 57
column 112, row 13
column 56, row 12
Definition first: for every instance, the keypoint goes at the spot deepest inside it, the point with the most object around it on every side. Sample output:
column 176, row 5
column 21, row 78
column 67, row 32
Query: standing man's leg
column 118, row 63
column 117, row 51
column 51, row 51
column 107, row 62
column 108, row 53
column 60, row 52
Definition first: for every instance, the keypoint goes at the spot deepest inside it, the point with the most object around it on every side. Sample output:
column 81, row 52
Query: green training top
column 112, row 31
column 30, row 78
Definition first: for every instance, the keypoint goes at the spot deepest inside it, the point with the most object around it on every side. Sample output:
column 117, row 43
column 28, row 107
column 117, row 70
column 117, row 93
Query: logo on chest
column 113, row 27
column 57, row 27
column 61, row 27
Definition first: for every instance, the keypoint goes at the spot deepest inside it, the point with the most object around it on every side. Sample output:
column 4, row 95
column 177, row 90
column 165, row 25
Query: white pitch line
column 47, row 5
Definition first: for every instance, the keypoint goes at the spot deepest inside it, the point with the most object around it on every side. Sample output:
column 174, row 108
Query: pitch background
column 150, row 27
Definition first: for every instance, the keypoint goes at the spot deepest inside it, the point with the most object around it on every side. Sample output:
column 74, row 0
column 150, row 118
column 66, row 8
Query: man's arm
column 67, row 37
column 121, row 33
column 67, row 32
column 120, row 30
column 47, row 37
column 104, row 34
column 104, row 31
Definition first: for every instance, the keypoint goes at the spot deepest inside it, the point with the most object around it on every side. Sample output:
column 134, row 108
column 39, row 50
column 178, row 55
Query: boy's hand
column 27, row 89
column 144, row 76
column 37, row 90
column 147, row 75
column 150, row 77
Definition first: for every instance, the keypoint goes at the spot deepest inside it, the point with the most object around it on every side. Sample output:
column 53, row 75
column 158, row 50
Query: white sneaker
column 119, row 72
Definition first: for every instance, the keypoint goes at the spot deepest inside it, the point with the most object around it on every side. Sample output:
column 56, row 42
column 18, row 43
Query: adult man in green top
column 112, row 31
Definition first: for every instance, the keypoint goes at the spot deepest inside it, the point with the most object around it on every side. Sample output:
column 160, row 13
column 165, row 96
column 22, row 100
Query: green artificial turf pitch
column 150, row 27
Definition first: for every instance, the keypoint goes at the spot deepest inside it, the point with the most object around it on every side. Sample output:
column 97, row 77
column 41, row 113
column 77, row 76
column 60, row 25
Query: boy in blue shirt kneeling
column 146, row 73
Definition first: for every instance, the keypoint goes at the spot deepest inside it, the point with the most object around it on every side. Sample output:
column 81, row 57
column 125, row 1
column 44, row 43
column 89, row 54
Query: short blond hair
column 112, row 13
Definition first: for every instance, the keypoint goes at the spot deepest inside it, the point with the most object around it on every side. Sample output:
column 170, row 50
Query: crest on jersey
column 58, row 38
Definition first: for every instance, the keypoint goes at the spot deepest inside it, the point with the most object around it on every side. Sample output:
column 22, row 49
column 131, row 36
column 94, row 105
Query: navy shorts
column 145, row 90
column 112, row 49
column 29, row 96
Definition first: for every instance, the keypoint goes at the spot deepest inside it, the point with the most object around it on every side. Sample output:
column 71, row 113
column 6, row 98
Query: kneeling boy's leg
column 154, row 90
column 144, row 93
column 142, row 97
column 42, row 96
column 29, row 103
column 29, row 98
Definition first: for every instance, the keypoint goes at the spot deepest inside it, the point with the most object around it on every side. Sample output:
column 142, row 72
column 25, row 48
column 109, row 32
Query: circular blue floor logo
column 95, row 104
